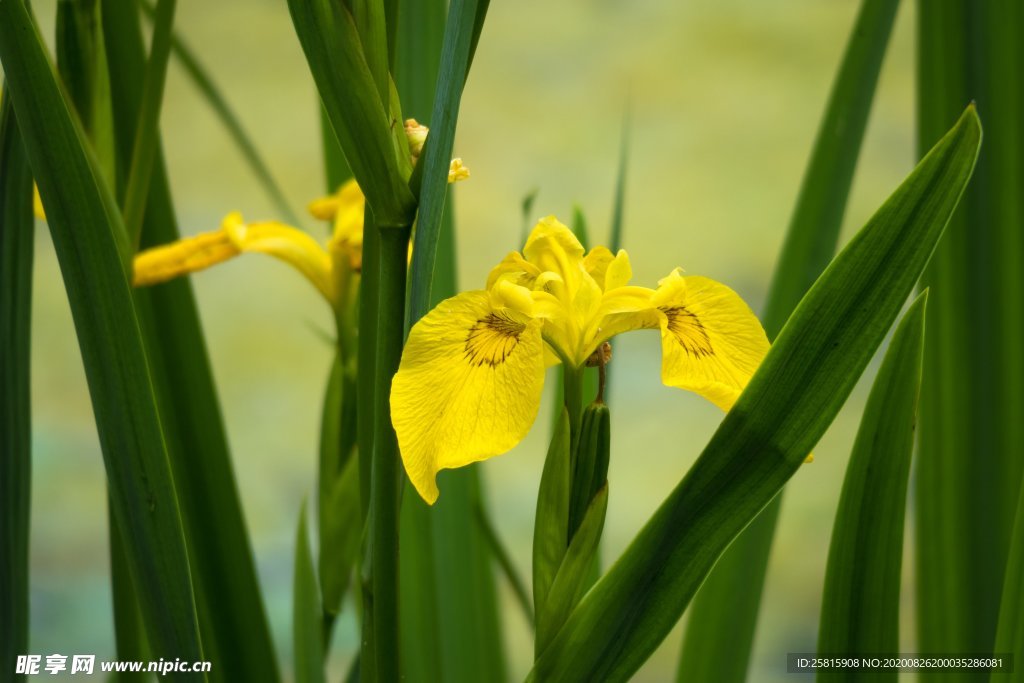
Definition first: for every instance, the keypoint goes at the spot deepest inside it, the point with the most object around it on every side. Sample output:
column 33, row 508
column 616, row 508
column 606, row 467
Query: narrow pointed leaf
column 307, row 641
column 551, row 525
column 720, row 629
column 16, row 246
column 465, row 19
column 861, row 602
column 86, row 227
column 790, row 401
column 571, row 579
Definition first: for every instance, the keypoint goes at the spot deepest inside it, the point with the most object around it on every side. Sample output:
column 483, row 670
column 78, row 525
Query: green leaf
column 202, row 80
column 340, row 533
column 16, row 245
column 590, row 462
column 360, row 118
column 720, row 629
column 861, row 602
column 571, row 579
column 306, row 611
column 790, row 401
column 129, row 629
column 972, row 393
column 147, row 129
column 465, row 19
column 86, row 227
column 233, row 622
column 551, row 525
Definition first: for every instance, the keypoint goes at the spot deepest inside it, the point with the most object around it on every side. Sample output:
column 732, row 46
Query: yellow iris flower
column 328, row 269
column 470, row 380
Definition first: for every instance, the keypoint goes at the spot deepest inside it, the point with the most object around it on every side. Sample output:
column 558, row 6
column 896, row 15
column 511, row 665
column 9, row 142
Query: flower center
column 492, row 339
column 688, row 331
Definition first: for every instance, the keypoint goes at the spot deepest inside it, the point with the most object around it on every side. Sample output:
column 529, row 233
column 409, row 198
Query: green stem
column 386, row 476
column 573, row 397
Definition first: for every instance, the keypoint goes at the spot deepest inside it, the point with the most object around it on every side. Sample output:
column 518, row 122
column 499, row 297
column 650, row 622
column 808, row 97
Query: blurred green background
column 726, row 98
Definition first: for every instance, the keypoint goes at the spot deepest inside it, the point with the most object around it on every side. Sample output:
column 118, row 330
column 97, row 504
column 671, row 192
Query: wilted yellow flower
column 470, row 380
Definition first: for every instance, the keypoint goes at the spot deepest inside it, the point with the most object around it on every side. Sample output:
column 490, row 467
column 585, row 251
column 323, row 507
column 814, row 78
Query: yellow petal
column 609, row 271
column 468, row 387
column 711, row 341
column 187, row 255
column 284, row 242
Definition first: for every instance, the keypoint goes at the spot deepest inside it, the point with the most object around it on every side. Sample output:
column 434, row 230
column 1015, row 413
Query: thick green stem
column 386, row 476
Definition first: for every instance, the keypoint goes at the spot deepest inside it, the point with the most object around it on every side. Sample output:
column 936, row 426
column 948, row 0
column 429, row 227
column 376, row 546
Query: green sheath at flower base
column 471, row 375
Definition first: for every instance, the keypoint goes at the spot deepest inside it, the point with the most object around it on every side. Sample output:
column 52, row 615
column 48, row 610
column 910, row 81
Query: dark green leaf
column 233, row 623
column 720, row 629
column 147, row 130
column 16, row 242
column 306, row 611
column 790, row 401
column 86, row 227
column 969, row 466
column 340, row 533
column 551, row 524
column 861, row 602
column 465, row 18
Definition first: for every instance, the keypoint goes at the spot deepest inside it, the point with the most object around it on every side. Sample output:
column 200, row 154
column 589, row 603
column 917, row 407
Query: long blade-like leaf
column 306, row 611
column 86, row 226
column 973, row 388
column 16, row 241
column 233, row 622
column 861, row 602
column 720, row 630
column 147, row 130
column 790, row 401
column 465, row 18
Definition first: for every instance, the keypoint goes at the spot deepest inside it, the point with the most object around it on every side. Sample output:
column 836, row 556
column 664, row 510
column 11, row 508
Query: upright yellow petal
column 468, row 387
column 711, row 341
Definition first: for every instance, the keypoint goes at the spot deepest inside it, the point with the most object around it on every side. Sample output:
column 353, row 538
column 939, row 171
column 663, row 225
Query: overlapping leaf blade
column 721, row 625
column 86, row 228
column 763, row 440
column 16, row 247
column 861, row 602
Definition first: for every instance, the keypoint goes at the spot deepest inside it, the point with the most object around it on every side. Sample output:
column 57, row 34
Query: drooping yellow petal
column 187, row 255
column 468, row 387
column 286, row 243
column 192, row 254
column 711, row 341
